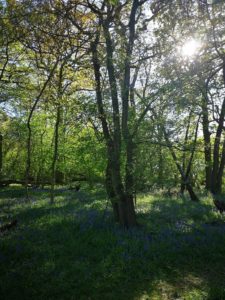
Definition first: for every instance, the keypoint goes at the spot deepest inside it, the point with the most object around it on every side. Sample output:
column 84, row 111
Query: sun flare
column 190, row 48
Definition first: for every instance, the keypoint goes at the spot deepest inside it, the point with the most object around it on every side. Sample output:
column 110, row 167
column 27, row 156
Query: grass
column 73, row 249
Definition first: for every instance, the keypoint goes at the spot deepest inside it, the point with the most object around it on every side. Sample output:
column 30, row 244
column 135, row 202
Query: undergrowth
column 74, row 250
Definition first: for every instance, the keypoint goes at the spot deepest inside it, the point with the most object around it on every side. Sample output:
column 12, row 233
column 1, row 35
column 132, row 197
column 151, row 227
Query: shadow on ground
column 73, row 250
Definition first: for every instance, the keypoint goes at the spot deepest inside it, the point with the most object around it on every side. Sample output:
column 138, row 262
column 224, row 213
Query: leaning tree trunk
column 184, row 176
column 28, row 163
column 191, row 193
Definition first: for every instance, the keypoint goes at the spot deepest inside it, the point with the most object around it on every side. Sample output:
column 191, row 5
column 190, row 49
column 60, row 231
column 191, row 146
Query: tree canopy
column 130, row 94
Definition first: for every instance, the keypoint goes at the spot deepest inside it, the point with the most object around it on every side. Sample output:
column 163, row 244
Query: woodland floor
column 73, row 249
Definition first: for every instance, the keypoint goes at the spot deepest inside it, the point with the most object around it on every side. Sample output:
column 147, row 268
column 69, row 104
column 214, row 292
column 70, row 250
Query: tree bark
column 215, row 184
column 55, row 155
column 127, row 215
column 28, row 164
column 129, row 183
column 1, row 155
column 110, row 192
column 182, row 188
column 207, row 141
column 184, row 177
column 113, row 181
column 123, row 186
column 221, row 170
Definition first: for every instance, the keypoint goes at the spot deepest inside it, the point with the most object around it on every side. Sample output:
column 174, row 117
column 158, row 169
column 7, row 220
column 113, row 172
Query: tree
column 201, row 74
column 119, row 132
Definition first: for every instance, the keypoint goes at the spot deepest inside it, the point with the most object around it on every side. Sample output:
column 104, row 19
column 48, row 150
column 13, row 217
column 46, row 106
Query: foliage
column 165, row 88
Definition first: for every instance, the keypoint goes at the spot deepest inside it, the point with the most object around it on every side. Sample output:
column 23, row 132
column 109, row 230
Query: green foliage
column 114, row 2
column 80, row 153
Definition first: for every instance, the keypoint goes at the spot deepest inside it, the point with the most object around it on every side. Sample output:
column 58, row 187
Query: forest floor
column 73, row 249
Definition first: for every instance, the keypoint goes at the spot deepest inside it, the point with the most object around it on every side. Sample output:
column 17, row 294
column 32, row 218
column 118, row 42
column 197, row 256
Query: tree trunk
column 55, row 155
column 131, row 215
column 124, row 198
column 182, row 188
column 110, row 192
column 219, row 160
column 119, row 188
column 184, row 176
column 28, row 163
column 110, row 186
column 191, row 193
column 127, row 216
column 129, row 183
column 41, row 161
column 1, row 155
column 119, row 127
column 221, row 169
column 207, row 143
column 215, row 183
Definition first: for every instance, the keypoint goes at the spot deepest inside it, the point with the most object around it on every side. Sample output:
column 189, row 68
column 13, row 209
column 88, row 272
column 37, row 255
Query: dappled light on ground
column 73, row 249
